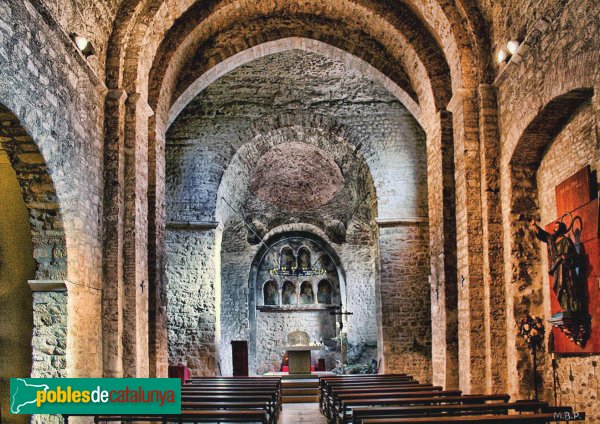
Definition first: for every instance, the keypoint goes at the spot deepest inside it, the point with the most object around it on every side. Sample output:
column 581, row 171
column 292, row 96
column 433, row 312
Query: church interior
column 404, row 188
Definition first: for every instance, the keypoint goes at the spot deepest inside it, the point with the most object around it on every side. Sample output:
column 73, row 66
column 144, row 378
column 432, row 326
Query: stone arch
column 40, row 198
column 279, row 234
column 523, row 257
column 39, row 312
column 282, row 45
column 324, row 124
column 130, row 70
column 304, row 258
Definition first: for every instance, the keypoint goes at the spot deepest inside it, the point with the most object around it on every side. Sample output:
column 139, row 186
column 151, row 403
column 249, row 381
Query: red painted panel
column 562, row 344
column 591, row 251
column 575, row 195
column 574, row 192
column 585, row 227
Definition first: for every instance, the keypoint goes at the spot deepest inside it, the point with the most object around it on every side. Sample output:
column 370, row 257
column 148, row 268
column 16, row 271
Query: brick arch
column 40, row 197
column 283, row 45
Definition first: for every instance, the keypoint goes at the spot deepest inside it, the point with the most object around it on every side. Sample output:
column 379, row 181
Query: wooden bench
column 192, row 416
column 327, row 385
column 359, row 414
column 344, row 414
column 481, row 419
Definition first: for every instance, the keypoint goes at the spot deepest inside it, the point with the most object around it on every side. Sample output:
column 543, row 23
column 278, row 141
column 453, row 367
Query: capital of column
column 116, row 94
column 458, row 97
column 138, row 101
column 48, row 285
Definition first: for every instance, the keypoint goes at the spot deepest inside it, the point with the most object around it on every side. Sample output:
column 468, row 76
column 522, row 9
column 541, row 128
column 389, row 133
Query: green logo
column 95, row 396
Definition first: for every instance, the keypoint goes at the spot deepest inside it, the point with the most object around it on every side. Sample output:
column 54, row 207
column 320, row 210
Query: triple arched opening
column 290, row 293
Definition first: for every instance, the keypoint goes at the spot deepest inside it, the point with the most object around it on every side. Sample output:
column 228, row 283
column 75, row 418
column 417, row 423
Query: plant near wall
column 531, row 330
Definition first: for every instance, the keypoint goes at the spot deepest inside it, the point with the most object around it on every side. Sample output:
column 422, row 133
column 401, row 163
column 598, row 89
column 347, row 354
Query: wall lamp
column 83, row 44
column 505, row 53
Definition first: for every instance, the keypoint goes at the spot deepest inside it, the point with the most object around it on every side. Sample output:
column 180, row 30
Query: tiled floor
column 305, row 413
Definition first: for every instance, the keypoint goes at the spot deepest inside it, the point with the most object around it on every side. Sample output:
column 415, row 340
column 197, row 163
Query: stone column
column 442, row 251
column 135, row 242
column 471, row 304
column 114, row 188
column 157, row 290
column 49, row 340
column 493, row 261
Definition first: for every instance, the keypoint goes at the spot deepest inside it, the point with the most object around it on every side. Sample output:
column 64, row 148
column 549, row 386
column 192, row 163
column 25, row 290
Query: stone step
column 299, row 384
column 300, row 399
column 310, row 391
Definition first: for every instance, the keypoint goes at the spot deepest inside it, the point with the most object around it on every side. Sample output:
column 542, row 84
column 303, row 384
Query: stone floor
column 306, row 413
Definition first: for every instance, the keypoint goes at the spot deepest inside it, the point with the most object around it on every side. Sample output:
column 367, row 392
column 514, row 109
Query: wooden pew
column 192, row 416
column 360, row 414
column 481, row 419
column 328, row 396
column 340, row 403
column 344, row 416
column 328, row 384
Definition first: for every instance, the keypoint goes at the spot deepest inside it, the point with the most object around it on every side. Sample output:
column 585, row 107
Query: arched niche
column 304, row 258
column 325, row 292
column 286, row 258
column 307, row 295
column 288, row 294
column 270, row 293
column 298, row 309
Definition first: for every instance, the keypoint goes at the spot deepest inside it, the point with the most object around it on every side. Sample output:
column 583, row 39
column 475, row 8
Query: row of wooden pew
column 220, row 399
column 398, row 398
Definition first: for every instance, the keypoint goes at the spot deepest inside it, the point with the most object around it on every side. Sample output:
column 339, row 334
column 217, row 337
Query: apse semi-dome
column 296, row 176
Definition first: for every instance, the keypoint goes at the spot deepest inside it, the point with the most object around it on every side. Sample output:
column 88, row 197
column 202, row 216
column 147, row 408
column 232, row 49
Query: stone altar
column 299, row 348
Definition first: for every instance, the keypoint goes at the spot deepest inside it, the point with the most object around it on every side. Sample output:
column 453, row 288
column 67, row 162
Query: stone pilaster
column 471, row 304
column 442, row 251
column 112, row 294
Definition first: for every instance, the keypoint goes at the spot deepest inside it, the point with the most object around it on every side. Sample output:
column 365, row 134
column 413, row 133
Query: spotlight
column 83, row 44
column 502, row 56
column 512, row 46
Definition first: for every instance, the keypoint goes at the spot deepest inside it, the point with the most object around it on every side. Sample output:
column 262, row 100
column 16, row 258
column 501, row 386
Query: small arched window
column 288, row 294
column 270, row 293
column 286, row 258
column 324, row 292
column 304, row 258
column 306, row 293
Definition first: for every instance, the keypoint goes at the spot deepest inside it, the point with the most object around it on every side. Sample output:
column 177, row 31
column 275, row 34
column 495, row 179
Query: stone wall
column 192, row 269
column 575, row 147
column 272, row 331
column 274, row 323
column 242, row 119
column 57, row 98
column 537, row 92
column 405, row 299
